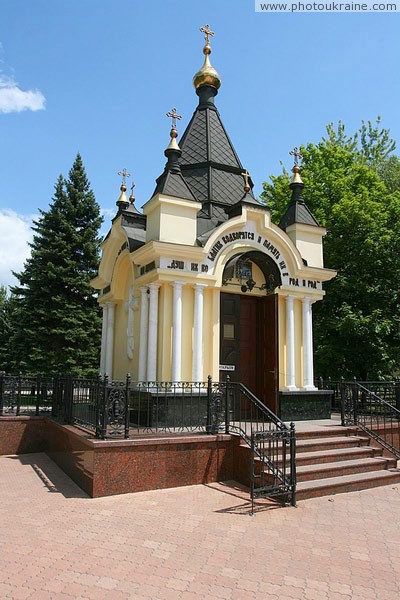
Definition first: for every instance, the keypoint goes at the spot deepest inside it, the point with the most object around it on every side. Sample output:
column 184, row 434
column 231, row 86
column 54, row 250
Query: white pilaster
column 152, row 333
column 308, row 371
column 197, row 356
column 110, row 338
column 103, row 340
column 290, row 349
column 144, row 324
column 311, row 360
column 176, row 362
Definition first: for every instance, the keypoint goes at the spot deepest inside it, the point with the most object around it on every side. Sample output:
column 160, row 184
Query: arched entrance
column 249, row 324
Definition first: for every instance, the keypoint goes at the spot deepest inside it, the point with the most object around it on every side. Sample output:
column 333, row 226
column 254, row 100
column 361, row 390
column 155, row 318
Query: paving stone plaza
column 190, row 543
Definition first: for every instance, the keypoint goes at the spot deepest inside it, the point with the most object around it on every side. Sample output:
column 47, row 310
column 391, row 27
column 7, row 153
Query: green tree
column 56, row 320
column 352, row 187
column 5, row 329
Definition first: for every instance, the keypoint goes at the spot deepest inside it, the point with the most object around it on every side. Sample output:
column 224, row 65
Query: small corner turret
column 172, row 201
column 299, row 222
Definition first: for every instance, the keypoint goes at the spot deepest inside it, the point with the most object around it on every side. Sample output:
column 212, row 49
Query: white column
column 290, row 350
column 311, row 359
column 308, row 374
column 144, row 324
column 152, row 333
column 197, row 356
column 103, row 340
column 176, row 363
column 110, row 338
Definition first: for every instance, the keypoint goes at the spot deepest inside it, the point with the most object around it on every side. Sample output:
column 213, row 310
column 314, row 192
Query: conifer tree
column 5, row 329
column 56, row 320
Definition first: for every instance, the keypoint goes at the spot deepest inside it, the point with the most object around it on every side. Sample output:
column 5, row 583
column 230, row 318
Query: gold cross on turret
column 296, row 154
column 174, row 116
column 124, row 174
column 207, row 32
column 132, row 196
column 246, row 177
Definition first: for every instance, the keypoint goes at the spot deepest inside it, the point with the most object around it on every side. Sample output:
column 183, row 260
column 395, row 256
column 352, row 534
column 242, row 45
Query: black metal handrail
column 376, row 416
column 269, row 438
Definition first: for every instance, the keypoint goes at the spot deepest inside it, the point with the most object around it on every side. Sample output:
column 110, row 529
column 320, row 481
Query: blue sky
column 98, row 78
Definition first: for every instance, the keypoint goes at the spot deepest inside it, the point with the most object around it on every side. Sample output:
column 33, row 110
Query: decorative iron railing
column 123, row 409
column 335, row 386
column 24, row 395
column 387, row 390
column 376, row 416
column 272, row 443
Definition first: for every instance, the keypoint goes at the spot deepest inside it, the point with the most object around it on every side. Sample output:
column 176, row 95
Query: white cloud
column 13, row 99
column 108, row 213
column 15, row 233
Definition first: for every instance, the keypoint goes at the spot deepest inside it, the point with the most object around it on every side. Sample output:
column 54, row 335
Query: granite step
column 346, row 483
column 347, row 467
column 337, row 454
column 330, row 443
column 323, row 432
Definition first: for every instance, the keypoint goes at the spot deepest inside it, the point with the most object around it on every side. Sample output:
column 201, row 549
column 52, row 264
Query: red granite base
column 22, row 435
column 104, row 468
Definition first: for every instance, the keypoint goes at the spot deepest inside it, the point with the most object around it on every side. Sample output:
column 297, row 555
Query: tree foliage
column 55, row 321
column 352, row 185
column 5, row 328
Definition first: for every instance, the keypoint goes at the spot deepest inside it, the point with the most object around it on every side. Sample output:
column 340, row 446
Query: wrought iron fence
column 365, row 408
column 272, row 443
column 335, row 386
column 122, row 409
column 387, row 390
column 24, row 395
column 169, row 407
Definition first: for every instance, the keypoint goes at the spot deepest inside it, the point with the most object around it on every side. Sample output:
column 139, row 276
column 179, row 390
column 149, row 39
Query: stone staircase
column 340, row 459
column 332, row 460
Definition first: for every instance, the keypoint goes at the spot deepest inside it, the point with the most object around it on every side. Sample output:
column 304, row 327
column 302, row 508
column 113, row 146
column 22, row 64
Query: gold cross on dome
column 124, row 174
column 174, row 116
column 207, row 32
column 296, row 154
column 246, row 177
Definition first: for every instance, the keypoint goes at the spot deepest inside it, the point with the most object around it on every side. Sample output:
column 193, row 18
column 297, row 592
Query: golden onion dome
column 207, row 74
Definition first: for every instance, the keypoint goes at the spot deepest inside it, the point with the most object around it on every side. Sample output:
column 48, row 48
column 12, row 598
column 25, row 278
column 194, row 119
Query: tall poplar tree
column 56, row 321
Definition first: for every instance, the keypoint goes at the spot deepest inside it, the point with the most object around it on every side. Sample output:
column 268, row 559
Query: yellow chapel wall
column 122, row 364
column 282, row 341
column 298, row 342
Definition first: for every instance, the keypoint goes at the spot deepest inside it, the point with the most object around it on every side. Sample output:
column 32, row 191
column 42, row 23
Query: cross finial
column 174, row 116
column 132, row 196
column 124, row 174
column 296, row 154
column 207, row 32
column 246, row 178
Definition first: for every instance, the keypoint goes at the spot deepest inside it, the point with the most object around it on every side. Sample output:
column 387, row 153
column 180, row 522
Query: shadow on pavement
column 232, row 488
column 53, row 478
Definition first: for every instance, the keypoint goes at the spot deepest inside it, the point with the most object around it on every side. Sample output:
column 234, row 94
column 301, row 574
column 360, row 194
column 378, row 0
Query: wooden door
column 267, row 351
column 248, row 342
column 230, row 335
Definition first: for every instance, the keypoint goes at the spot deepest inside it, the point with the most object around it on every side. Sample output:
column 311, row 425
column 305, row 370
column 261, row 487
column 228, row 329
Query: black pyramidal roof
column 297, row 211
column 209, row 165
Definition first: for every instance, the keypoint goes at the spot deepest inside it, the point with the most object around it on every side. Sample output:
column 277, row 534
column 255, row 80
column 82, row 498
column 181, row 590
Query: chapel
column 203, row 283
